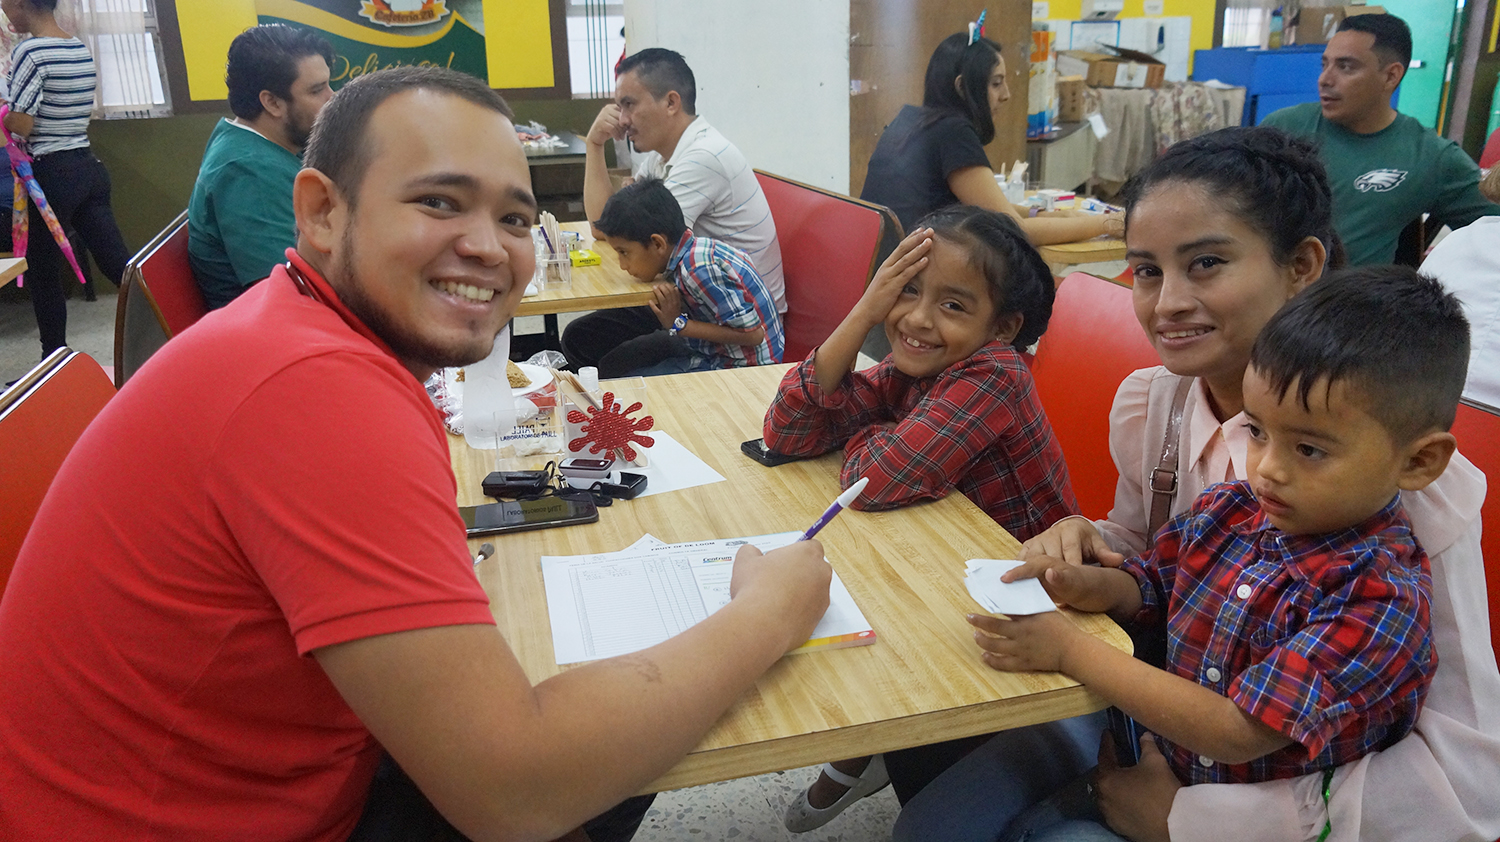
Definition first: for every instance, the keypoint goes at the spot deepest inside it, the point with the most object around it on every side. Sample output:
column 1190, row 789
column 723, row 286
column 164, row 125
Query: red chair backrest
column 830, row 247
column 1092, row 343
column 167, row 276
column 1477, row 428
column 1491, row 154
column 41, row 417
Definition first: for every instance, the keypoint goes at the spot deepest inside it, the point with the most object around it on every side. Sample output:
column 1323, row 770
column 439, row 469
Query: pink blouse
column 1440, row 783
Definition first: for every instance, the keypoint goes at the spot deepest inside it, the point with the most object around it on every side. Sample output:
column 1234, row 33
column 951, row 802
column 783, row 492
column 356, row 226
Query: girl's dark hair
column 974, row 62
column 1019, row 279
column 1272, row 181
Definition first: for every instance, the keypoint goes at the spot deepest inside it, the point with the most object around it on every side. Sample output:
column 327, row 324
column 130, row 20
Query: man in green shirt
column 1384, row 167
column 240, row 221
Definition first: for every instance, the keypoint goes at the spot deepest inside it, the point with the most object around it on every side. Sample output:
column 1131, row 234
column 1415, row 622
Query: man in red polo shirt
column 280, row 587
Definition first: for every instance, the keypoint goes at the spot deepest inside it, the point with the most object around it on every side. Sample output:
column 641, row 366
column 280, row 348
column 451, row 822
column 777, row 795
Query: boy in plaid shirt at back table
column 717, row 312
column 1296, row 604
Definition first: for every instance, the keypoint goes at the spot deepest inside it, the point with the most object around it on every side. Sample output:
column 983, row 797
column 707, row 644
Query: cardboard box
column 1130, row 69
column 1316, row 24
column 1070, row 98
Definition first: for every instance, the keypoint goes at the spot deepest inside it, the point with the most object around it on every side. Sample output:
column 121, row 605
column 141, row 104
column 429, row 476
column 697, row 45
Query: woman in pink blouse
column 1222, row 230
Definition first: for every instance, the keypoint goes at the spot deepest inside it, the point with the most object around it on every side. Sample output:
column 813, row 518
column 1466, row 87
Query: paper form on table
column 607, row 604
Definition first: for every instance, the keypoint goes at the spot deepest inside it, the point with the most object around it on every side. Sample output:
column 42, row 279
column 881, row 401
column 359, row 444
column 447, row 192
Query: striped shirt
column 721, row 198
column 1323, row 638
column 53, row 80
column 720, row 287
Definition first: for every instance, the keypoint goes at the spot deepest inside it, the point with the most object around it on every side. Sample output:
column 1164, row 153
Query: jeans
column 397, row 811
column 979, row 796
column 619, row 342
column 77, row 189
column 1068, row 815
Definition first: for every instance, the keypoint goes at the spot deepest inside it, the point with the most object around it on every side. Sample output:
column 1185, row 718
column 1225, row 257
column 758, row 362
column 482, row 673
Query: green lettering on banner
column 462, row 48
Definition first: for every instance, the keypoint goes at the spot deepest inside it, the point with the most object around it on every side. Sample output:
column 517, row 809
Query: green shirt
column 1384, row 180
column 240, row 220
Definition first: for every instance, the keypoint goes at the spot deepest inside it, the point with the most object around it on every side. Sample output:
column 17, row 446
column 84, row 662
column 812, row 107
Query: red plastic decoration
column 609, row 427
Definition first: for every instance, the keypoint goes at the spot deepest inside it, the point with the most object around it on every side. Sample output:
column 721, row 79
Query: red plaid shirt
column 1325, row 638
column 977, row 427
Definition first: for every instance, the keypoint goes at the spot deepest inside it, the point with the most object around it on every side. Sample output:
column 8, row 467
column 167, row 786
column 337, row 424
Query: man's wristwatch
column 678, row 324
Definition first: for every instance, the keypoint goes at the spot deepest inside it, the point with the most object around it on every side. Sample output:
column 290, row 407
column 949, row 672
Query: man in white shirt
column 655, row 108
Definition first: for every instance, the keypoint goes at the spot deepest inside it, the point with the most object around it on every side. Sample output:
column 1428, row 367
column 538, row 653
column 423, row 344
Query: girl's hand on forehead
column 909, row 258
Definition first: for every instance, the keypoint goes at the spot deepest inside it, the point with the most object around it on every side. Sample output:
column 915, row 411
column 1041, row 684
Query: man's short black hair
column 339, row 146
column 265, row 58
column 1392, row 36
column 641, row 209
column 1393, row 335
column 662, row 71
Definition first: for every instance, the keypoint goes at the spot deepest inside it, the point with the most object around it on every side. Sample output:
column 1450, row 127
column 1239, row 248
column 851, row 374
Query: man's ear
column 320, row 209
column 1394, row 73
column 1426, row 459
column 673, row 101
column 1308, row 261
column 273, row 105
column 1008, row 325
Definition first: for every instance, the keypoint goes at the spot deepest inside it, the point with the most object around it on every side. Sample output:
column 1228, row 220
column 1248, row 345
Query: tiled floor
column 745, row 810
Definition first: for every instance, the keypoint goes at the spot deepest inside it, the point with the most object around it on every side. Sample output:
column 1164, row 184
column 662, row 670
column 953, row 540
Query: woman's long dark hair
column 975, row 62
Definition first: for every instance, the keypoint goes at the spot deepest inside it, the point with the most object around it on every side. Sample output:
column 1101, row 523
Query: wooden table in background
column 601, row 287
column 1062, row 255
column 921, row 682
column 11, row 268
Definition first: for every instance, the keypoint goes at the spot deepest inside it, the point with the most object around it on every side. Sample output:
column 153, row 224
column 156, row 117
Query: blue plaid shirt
column 720, row 287
column 1324, row 638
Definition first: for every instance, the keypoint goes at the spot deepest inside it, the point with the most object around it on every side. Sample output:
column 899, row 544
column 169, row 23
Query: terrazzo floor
column 744, row 810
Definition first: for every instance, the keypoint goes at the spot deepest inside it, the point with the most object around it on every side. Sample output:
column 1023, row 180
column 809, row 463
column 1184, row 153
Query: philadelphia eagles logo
column 1381, row 181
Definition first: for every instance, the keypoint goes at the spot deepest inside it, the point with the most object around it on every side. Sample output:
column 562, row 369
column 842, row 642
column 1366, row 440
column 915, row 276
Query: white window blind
column 1247, row 23
column 596, row 40
column 122, row 37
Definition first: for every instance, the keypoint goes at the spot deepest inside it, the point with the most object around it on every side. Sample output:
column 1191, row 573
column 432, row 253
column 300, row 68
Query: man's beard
column 410, row 350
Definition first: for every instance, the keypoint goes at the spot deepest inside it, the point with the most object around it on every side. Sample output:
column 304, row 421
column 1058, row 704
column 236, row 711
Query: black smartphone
column 756, row 449
column 520, row 515
column 1127, row 737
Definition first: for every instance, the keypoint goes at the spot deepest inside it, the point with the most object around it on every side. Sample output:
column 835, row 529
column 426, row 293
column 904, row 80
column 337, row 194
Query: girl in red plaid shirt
column 953, row 406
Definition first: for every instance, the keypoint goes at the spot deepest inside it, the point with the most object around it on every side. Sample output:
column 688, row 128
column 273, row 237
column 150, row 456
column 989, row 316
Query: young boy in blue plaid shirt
column 1296, row 604
column 714, row 311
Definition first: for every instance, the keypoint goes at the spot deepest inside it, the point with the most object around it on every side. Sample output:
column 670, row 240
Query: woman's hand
column 1073, row 539
column 1136, row 800
column 909, row 258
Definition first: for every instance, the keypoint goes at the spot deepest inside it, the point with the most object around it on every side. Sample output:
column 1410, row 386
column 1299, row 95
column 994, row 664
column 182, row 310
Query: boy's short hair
column 1395, row 335
column 638, row 210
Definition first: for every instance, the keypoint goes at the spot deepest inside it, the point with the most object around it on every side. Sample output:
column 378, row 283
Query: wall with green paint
column 152, row 163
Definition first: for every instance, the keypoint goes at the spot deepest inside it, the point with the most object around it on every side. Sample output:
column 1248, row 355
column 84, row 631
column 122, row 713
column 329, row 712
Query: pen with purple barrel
column 843, row 501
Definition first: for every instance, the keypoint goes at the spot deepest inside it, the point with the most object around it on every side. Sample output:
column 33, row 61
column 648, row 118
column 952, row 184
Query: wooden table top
column 602, row 287
column 1088, row 251
column 11, row 268
column 921, row 682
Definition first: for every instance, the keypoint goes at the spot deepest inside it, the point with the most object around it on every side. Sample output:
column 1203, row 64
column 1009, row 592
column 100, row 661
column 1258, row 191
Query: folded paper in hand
column 1024, row 596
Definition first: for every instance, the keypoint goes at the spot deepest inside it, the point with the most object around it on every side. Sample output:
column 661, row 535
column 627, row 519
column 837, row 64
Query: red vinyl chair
column 1092, row 343
column 159, row 299
column 41, row 417
column 831, row 245
column 1491, row 154
column 1477, row 428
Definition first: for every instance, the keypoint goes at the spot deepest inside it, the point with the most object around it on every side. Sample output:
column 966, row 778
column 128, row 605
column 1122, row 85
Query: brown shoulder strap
column 1164, row 478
